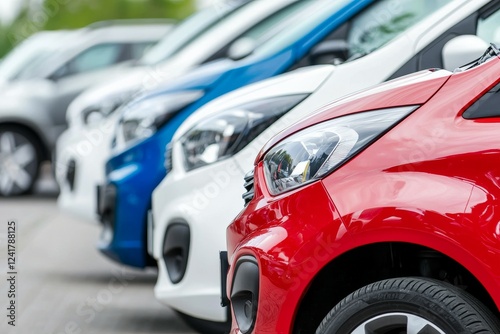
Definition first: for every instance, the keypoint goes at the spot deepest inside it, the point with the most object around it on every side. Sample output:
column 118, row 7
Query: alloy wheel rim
column 17, row 156
column 398, row 323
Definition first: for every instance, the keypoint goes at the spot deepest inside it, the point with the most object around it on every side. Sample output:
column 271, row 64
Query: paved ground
column 65, row 286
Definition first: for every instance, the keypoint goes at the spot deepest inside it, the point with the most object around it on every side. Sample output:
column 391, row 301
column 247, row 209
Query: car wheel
column 205, row 326
column 409, row 305
column 19, row 161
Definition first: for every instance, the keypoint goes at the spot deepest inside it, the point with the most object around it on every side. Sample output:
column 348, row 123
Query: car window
column 316, row 12
column 385, row 20
column 489, row 28
column 481, row 23
column 275, row 22
column 487, row 106
column 38, row 58
column 94, row 58
column 27, row 53
column 190, row 30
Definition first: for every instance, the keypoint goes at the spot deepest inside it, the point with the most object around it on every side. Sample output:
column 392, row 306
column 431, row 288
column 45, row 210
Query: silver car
column 44, row 76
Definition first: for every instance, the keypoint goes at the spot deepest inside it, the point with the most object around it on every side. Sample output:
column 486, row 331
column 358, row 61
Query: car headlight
column 95, row 113
column 320, row 149
column 142, row 119
column 225, row 134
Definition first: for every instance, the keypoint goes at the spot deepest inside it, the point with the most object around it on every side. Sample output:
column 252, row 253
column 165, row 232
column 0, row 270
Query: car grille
column 249, row 186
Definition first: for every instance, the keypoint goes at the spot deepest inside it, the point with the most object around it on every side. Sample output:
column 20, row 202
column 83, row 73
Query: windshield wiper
column 491, row 52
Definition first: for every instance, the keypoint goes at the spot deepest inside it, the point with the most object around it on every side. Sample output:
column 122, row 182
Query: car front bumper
column 79, row 168
column 205, row 200
column 286, row 237
column 133, row 175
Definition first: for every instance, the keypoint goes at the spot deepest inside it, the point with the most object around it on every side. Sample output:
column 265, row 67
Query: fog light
column 176, row 250
column 71, row 174
column 245, row 293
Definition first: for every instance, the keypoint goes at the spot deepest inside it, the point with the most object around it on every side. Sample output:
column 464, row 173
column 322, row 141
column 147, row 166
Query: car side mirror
column 329, row 52
column 462, row 50
column 241, row 48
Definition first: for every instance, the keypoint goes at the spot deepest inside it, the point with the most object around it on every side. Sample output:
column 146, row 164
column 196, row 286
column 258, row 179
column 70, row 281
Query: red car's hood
column 411, row 89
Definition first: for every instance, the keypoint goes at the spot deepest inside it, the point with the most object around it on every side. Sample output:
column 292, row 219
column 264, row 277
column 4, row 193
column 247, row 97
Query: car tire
column 206, row 326
column 20, row 159
column 413, row 305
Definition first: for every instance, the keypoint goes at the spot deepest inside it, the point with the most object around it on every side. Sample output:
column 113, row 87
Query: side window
column 487, row 106
column 94, row 58
column 489, row 28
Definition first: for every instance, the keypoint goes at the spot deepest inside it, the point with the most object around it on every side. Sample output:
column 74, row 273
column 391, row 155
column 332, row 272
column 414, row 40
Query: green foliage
column 72, row 14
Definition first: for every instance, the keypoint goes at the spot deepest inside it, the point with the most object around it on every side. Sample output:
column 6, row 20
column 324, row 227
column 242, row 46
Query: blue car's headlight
column 142, row 119
column 318, row 150
column 225, row 134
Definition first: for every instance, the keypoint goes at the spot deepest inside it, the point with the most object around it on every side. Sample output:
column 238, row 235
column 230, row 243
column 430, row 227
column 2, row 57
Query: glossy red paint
column 433, row 180
column 413, row 89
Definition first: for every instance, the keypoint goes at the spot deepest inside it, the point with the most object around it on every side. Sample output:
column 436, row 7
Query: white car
column 208, row 35
column 214, row 148
column 35, row 98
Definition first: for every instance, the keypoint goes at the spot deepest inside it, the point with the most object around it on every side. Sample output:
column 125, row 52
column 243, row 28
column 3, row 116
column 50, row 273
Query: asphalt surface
column 64, row 285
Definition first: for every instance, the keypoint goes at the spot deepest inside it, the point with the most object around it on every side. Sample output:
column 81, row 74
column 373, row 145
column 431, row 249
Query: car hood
column 126, row 83
column 302, row 81
column 129, row 84
column 413, row 89
column 201, row 78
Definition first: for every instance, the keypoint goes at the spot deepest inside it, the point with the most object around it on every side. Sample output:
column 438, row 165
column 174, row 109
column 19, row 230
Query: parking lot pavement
column 63, row 285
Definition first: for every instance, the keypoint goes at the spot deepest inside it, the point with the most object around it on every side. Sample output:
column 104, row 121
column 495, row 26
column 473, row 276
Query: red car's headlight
column 316, row 151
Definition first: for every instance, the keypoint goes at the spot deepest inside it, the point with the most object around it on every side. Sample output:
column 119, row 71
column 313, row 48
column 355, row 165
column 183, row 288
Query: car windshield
column 384, row 21
column 189, row 30
column 275, row 23
column 37, row 46
column 371, row 29
column 317, row 12
column 50, row 51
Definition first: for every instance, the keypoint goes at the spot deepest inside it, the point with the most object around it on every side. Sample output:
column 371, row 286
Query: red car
column 378, row 214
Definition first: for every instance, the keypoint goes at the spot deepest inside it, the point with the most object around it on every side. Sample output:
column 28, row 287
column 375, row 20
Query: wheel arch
column 385, row 259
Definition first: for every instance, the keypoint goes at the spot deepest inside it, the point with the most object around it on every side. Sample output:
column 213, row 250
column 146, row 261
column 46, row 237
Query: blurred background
column 21, row 18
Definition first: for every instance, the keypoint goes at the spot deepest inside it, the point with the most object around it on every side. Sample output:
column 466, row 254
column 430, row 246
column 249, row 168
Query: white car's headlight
column 85, row 112
column 320, row 149
column 226, row 133
column 142, row 119
column 95, row 113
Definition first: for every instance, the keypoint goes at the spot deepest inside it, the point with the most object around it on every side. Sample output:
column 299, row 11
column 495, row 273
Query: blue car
column 307, row 32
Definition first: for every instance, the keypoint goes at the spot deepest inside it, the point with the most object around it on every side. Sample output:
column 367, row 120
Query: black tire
column 18, row 138
column 205, row 326
column 442, row 307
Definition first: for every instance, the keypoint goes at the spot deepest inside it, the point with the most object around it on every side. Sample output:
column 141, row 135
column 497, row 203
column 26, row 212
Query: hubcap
column 18, row 163
column 398, row 323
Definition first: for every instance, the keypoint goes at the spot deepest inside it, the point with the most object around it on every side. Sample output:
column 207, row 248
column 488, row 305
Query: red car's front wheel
column 409, row 306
